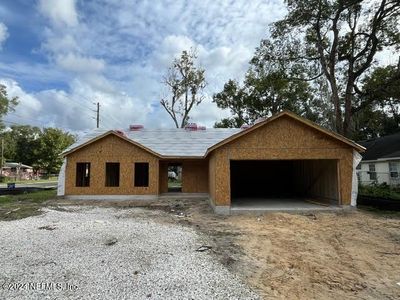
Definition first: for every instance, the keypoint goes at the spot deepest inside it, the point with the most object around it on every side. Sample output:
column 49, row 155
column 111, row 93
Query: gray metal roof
column 16, row 165
column 175, row 142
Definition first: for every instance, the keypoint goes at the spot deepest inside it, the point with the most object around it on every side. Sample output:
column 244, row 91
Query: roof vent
column 259, row 120
column 245, row 126
column 135, row 127
column 119, row 132
column 191, row 126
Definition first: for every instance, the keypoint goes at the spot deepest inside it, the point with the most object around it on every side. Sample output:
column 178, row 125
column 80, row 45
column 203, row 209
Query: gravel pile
column 103, row 253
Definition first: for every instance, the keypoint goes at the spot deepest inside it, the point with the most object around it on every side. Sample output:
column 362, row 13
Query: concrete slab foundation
column 200, row 196
column 279, row 205
column 111, row 197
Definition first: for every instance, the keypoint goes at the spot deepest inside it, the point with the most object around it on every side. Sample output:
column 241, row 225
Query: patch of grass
column 380, row 191
column 174, row 183
column 36, row 197
column 14, row 207
column 33, row 181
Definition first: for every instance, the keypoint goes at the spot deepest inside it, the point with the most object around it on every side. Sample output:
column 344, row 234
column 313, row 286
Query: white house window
column 372, row 172
column 394, row 169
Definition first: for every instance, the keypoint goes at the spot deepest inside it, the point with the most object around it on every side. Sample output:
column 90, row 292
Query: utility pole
column 2, row 156
column 98, row 114
column 97, row 111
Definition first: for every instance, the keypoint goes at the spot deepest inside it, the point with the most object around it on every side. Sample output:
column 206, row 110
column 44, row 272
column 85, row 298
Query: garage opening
column 284, row 184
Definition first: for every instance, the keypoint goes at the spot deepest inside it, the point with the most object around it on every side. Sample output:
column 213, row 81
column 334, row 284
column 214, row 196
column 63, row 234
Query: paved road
column 33, row 184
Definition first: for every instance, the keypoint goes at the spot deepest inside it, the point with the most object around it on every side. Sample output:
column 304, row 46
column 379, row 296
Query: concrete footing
column 111, row 197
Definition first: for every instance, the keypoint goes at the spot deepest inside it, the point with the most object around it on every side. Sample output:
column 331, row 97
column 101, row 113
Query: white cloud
column 117, row 51
column 28, row 105
column 26, row 71
column 208, row 113
column 3, row 34
column 79, row 64
column 73, row 110
column 57, row 43
column 61, row 12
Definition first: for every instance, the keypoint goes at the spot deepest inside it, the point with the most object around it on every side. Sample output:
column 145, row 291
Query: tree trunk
column 348, row 100
column 336, row 104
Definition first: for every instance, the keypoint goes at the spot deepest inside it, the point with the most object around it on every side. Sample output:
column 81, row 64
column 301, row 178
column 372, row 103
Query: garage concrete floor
column 279, row 204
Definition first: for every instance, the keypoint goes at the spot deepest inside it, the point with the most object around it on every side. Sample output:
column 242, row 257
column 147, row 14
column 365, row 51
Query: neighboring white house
column 381, row 161
column 16, row 170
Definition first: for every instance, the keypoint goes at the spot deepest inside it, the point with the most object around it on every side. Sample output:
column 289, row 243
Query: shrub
column 380, row 191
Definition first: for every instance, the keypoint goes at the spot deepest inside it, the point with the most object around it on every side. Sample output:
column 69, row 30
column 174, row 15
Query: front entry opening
column 284, row 183
column 174, row 178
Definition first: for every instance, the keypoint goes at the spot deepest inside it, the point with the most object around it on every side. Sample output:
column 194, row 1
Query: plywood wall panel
column 163, row 177
column 111, row 149
column 195, row 176
column 283, row 138
column 211, row 177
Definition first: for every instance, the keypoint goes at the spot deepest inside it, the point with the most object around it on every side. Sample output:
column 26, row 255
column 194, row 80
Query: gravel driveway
column 105, row 253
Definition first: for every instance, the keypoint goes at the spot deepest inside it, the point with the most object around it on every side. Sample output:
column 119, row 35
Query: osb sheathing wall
column 111, row 149
column 211, row 177
column 163, row 177
column 194, row 175
column 317, row 178
column 283, row 138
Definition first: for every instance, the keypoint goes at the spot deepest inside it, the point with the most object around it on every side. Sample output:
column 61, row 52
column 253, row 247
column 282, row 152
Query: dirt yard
column 341, row 255
column 338, row 255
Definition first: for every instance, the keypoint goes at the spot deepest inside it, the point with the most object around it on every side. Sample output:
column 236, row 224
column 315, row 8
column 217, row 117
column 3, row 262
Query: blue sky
column 59, row 57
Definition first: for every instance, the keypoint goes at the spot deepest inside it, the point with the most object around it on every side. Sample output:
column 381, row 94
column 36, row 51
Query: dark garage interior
column 284, row 181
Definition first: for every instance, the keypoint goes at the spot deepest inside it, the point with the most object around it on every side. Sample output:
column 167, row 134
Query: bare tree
column 185, row 83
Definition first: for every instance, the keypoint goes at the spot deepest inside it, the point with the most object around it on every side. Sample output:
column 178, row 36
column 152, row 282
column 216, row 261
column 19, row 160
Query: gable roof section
column 98, row 134
column 385, row 147
column 293, row 116
column 178, row 142
column 164, row 143
column 181, row 143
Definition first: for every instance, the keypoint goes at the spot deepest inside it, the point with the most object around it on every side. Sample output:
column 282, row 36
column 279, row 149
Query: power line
column 27, row 118
column 40, row 124
column 9, row 122
column 105, row 119
column 21, row 117
column 81, row 104
column 104, row 113
column 112, row 117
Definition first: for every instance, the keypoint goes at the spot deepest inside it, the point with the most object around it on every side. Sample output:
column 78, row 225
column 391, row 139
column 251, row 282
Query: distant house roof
column 16, row 165
column 178, row 142
column 385, row 147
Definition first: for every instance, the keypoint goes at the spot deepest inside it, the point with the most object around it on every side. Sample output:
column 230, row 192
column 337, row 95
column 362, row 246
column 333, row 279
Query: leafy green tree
column 268, row 88
column 378, row 104
column 185, row 83
column 373, row 122
column 21, row 143
column 338, row 40
column 38, row 148
column 7, row 104
column 381, row 87
column 52, row 143
column 236, row 99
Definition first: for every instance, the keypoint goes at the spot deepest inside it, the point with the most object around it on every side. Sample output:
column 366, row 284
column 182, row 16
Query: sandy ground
column 346, row 255
column 331, row 255
column 323, row 256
